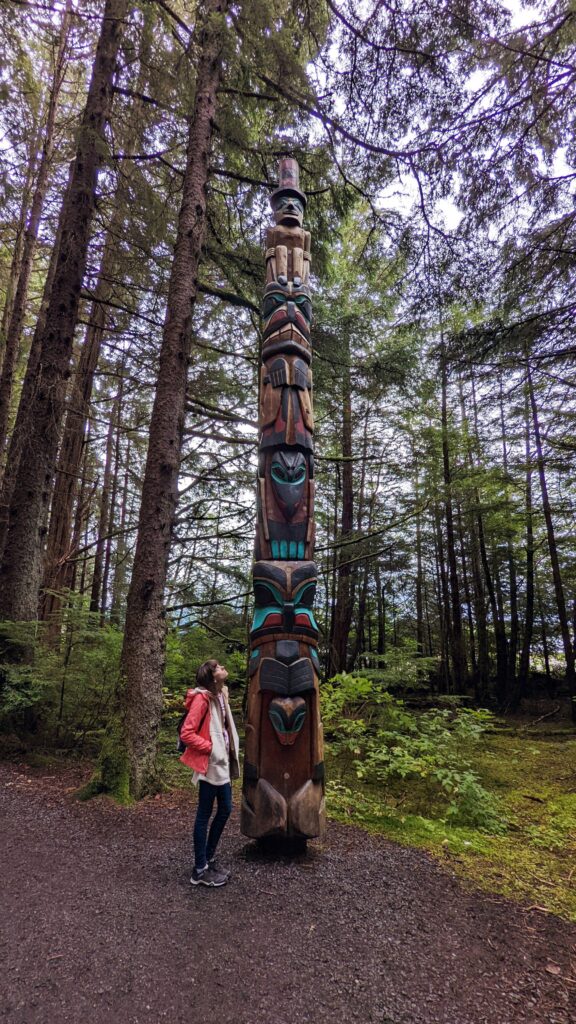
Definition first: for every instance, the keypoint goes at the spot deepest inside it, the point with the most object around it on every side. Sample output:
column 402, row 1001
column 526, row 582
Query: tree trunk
column 21, row 564
column 86, row 498
column 419, row 577
column 20, row 432
column 103, row 519
column 360, row 640
column 59, row 549
column 359, row 645
column 128, row 760
column 514, row 621
column 113, row 495
column 545, row 649
column 443, row 606
column 380, row 609
column 467, row 592
column 482, row 677
column 556, row 574
column 458, row 651
column 333, row 575
column 118, row 584
column 524, row 665
column 498, row 621
column 16, row 323
column 343, row 608
column 499, row 626
column 18, row 247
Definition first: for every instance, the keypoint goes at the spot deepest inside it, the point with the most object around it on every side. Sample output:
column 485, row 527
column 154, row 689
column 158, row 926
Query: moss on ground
column 112, row 774
column 534, row 861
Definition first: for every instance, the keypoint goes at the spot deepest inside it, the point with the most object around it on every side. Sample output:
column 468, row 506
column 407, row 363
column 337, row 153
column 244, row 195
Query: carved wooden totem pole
column 283, row 789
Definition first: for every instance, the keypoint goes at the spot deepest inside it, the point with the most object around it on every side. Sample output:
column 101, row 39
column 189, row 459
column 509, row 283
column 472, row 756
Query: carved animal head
column 285, row 306
column 284, row 595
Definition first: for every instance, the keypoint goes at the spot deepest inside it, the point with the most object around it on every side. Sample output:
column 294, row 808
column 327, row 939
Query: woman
column 212, row 751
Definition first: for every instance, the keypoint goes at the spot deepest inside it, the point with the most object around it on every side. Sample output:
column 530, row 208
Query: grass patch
column 534, row 778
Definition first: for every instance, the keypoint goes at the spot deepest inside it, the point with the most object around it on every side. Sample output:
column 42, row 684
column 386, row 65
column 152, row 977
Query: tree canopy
column 140, row 142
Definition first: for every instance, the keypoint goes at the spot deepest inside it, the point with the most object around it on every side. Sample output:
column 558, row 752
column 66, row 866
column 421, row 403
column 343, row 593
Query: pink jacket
column 195, row 732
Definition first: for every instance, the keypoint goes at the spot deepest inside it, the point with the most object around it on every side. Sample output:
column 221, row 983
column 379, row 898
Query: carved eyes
column 266, row 595
column 305, row 595
column 275, row 300
column 289, row 203
column 288, row 476
column 272, row 302
column 304, row 305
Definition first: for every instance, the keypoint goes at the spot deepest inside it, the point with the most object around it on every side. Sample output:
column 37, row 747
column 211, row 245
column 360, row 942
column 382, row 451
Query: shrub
column 59, row 694
column 420, row 758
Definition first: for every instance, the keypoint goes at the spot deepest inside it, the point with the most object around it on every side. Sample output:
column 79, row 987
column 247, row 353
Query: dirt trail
column 100, row 924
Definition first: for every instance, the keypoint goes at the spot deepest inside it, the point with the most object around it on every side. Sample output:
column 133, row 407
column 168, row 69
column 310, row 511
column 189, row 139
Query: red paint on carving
column 273, row 619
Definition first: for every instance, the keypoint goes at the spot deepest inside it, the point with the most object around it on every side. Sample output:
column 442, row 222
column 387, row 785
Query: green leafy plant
column 23, row 682
column 60, row 694
column 420, row 760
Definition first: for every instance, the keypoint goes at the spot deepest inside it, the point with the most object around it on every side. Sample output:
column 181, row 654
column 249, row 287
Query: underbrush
column 421, row 760
column 499, row 807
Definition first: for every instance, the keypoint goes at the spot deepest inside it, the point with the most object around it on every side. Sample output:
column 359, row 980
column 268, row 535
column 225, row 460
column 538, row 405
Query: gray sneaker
column 216, row 866
column 209, row 877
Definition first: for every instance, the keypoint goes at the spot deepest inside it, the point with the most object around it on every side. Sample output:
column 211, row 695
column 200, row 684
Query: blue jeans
column 205, row 842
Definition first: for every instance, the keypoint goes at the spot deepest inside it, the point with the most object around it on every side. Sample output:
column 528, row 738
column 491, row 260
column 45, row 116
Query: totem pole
column 283, row 787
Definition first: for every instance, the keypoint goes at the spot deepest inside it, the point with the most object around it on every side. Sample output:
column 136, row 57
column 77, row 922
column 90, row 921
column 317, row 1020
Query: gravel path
column 100, row 924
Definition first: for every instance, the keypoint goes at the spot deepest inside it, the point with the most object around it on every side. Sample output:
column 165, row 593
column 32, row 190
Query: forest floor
column 531, row 778
column 100, row 924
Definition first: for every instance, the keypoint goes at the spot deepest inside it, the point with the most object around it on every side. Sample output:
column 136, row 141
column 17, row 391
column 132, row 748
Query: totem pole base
column 265, row 813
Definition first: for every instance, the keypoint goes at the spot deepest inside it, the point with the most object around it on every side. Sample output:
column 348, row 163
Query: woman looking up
column 211, row 740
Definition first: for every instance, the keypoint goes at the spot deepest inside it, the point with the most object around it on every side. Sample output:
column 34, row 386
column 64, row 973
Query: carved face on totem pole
column 288, row 207
column 283, row 773
column 285, row 465
column 287, row 307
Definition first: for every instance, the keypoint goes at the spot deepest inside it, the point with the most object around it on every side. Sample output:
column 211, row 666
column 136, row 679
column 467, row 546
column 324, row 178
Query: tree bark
column 121, row 549
column 419, row 574
column 467, row 592
column 16, row 323
column 500, row 640
column 553, row 549
column 458, row 651
column 359, row 644
column 343, row 607
column 21, row 564
column 333, row 575
column 20, row 433
column 113, row 495
column 143, row 653
column 482, row 676
column 104, row 517
column 59, row 549
column 512, row 574
column 443, row 605
column 18, row 248
column 380, row 611
column 524, row 664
